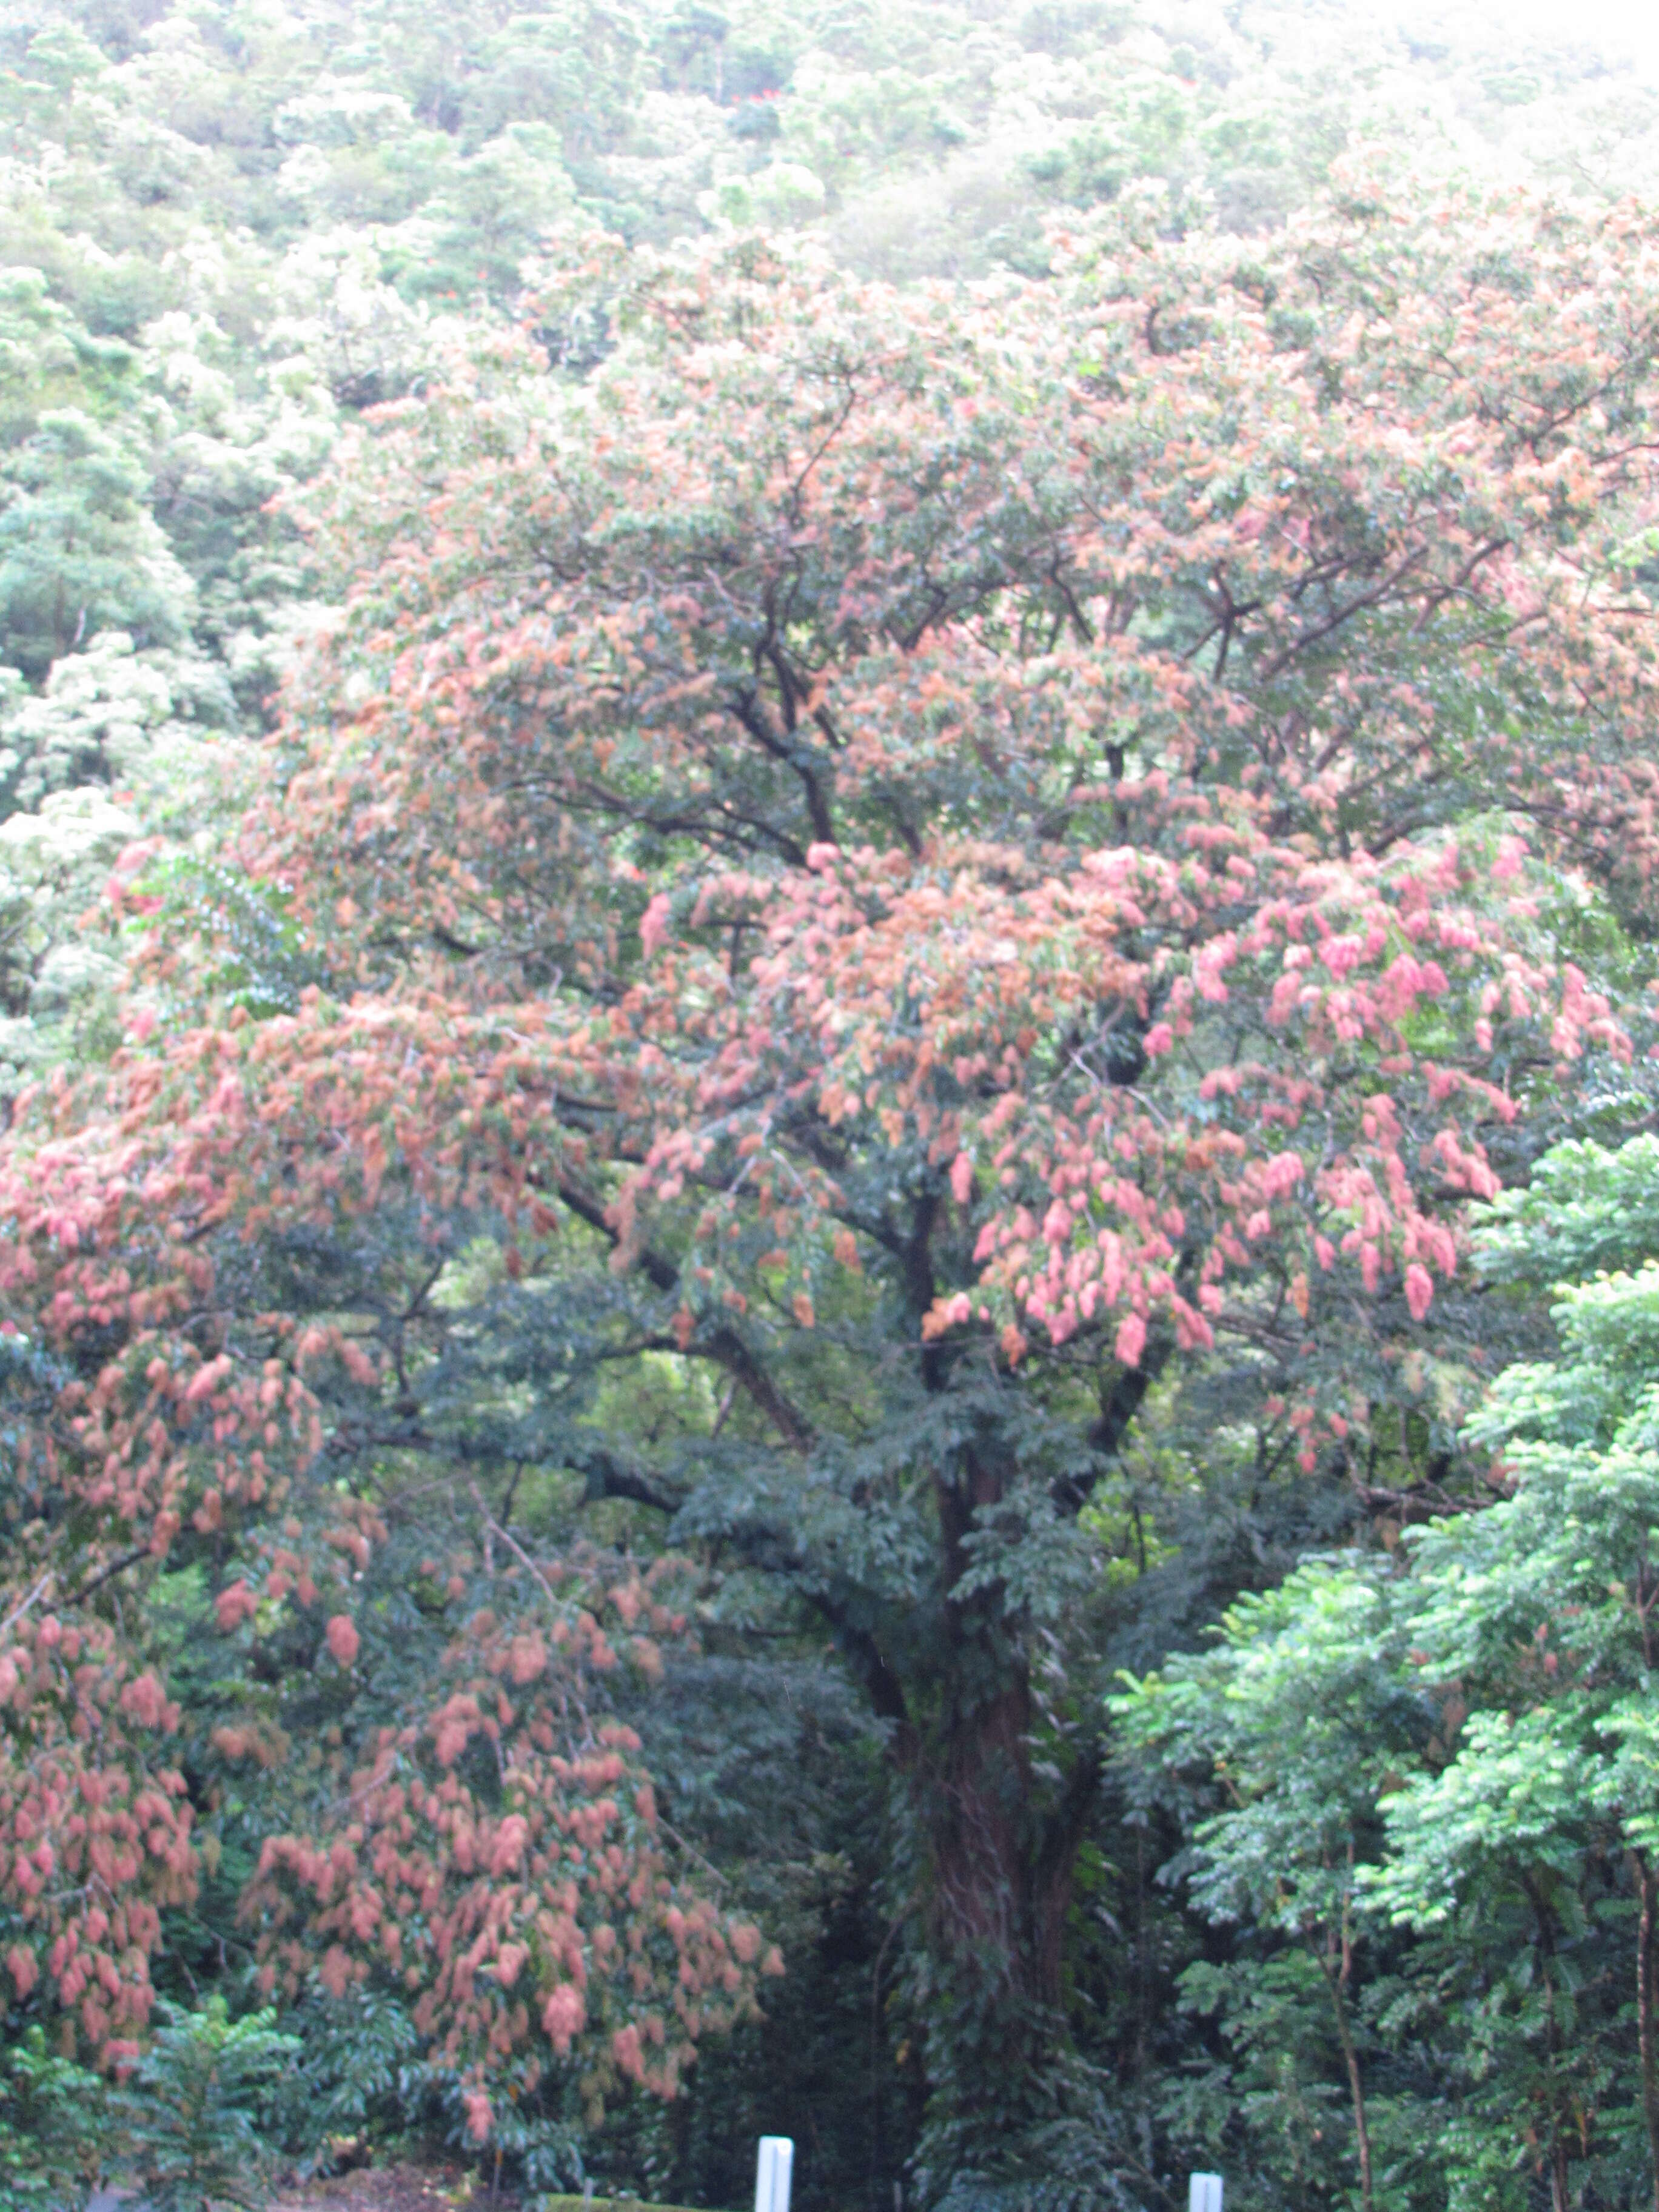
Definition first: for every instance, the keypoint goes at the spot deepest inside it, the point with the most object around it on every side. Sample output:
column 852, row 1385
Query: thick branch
column 723, row 1345
column 1064, row 1828
column 608, row 1477
column 1105, row 1436
column 886, row 1693
column 108, row 1574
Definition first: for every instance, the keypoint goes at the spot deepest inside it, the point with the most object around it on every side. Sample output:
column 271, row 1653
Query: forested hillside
column 830, row 1290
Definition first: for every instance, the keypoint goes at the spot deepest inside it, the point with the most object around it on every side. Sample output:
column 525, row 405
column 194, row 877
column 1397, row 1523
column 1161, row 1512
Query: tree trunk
column 997, row 1885
column 1001, row 1847
column 1001, row 1877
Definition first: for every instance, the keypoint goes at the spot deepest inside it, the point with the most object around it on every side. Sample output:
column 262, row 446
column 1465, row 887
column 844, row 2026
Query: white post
column 1204, row 2193
column 772, row 2172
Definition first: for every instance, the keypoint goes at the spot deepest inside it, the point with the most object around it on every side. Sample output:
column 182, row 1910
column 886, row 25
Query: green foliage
column 262, row 962
column 1438, row 1772
column 202, row 2102
column 197, row 2121
column 54, row 2124
column 348, row 2077
column 1585, row 1212
column 80, row 550
column 57, row 968
column 140, row 722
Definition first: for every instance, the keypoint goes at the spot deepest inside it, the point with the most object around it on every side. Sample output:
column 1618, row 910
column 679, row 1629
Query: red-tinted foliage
column 1089, row 763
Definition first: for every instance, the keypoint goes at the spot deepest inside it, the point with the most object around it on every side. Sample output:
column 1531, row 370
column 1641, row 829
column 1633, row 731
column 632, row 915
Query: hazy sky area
column 1628, row 26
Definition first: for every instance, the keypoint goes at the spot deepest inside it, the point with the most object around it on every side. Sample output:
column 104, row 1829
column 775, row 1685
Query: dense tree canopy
column 836, row 1073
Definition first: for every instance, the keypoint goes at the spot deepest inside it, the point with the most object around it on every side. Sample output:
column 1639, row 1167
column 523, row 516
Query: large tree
column 942, row 860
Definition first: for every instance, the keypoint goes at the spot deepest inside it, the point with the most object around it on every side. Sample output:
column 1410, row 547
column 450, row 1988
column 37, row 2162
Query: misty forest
column 829, row 1105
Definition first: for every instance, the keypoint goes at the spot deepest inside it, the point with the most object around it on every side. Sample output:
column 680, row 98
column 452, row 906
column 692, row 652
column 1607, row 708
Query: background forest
column 829, row 1300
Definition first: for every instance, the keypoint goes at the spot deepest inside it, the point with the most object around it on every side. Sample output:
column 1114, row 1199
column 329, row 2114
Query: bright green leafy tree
column 1450, row 1757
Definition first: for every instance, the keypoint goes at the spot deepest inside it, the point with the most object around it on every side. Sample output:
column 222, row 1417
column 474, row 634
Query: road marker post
column 772, row 2171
